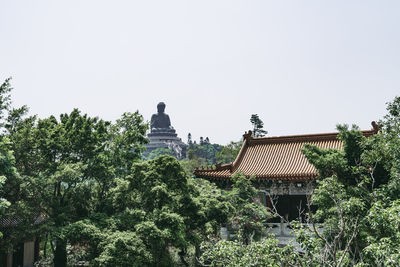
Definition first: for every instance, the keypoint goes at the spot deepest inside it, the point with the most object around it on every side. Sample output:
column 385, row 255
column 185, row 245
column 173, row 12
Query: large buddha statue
column 160, row 122
column 163, row 135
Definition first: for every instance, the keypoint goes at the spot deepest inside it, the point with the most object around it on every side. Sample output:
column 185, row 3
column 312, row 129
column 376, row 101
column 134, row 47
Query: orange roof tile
column 275, row 157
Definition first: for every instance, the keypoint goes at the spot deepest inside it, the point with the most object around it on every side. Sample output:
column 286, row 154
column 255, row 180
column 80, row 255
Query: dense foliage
column 200, row 154
column 156, row 208
column 7, row 169
column 229, row 152
column 157, row 152
column 206, row 154
column 234, row 253
column 249, row 216
column 68, row 167
column 203, row 150
column 360, row 196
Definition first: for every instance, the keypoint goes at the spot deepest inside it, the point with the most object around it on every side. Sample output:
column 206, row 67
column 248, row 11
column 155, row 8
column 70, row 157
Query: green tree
column 5, row 100
column 204, row 150
column 71, row 165
column 6, row 170
column 3, row 202
column 15, row 208
column 158, row 152
column 215, row 211
column 70, row 175
column 192, row 162
column 14, row 189
column 170, row 212
column 264, row 253
column 357, row 198
column 258, row 126
column 128, row 135
column 229, row 152
column 249, row 216
column 156, row 208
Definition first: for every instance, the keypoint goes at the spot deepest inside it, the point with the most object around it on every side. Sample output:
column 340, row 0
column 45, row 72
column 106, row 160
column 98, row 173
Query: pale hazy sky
column 303, row 66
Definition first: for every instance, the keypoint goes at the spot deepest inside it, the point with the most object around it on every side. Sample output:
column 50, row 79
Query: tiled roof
column 15, row 221
column 275, row 157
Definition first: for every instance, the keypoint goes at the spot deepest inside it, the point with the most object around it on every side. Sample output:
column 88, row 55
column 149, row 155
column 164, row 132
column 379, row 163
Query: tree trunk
column 182, row 254
column 197, row 254
column 45, row 247
column 60, row 255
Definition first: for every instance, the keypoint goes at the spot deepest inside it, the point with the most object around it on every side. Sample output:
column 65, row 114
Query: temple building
column 282, row 173
column 24, row 254
column 163, row 135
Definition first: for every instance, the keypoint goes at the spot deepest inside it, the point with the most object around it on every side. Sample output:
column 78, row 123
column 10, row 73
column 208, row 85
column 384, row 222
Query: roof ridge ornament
column 247, row 135
column 375, row 127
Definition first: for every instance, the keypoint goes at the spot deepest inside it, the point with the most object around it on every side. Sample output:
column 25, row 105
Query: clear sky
column 303, row 66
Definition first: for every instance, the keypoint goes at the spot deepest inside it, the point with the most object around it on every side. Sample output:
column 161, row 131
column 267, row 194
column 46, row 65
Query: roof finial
column 247, row 135
column 375, row 126
column 217, row 166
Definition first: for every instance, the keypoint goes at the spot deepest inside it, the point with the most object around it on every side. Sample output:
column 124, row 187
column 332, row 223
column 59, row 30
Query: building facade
column 283, row 175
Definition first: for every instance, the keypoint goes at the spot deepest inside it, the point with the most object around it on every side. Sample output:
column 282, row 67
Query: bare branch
column 355, row 230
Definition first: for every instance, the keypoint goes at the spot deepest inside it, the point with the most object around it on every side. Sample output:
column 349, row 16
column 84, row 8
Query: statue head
column 161, row 107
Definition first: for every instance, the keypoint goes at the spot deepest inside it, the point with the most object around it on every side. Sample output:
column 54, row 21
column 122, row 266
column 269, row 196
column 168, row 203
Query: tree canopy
column 258, row 126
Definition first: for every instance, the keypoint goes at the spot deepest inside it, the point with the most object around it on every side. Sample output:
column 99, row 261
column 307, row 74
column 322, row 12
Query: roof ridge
column 247, row 137
column 315, row 135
